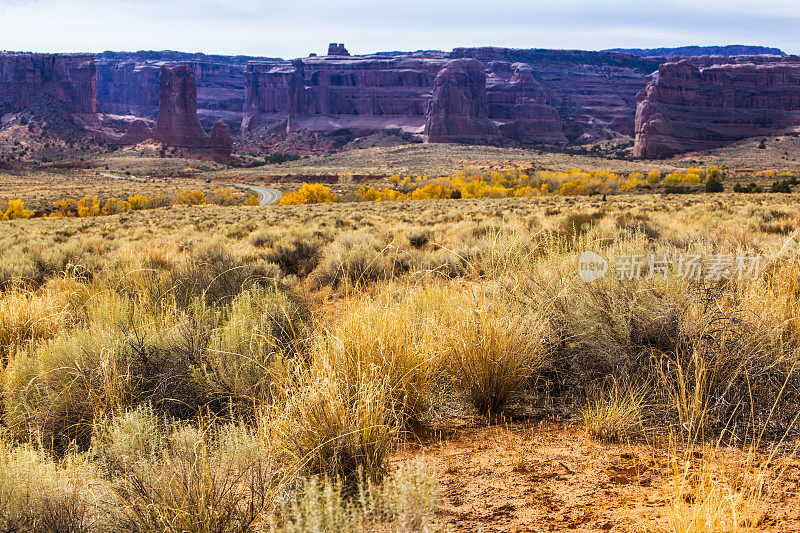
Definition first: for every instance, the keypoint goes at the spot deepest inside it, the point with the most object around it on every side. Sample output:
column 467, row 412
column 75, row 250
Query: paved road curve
column 267, row 196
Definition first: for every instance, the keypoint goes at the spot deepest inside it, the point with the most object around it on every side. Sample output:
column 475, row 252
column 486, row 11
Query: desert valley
column 485, row 289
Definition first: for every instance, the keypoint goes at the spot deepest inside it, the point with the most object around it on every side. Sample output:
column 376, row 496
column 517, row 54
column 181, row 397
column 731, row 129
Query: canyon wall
column 362, row 95
column 707, row 102
column 468, row 95
column 458, row 109
column 62, row 82
column 591, row 91
column 520, row 106
column 128, row 83
column 690, row 51
column 533, row 96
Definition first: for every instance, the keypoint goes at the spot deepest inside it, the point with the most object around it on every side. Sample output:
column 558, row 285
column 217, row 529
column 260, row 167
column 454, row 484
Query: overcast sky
column 294, row 28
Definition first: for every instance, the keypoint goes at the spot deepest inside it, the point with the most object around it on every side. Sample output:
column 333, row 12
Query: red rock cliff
column 127, row 83
column 29, row 79
column 537, row 96
column 361, row 94
column 590, row 90
column 520, row 106
column 692, row 108
column 458, row 110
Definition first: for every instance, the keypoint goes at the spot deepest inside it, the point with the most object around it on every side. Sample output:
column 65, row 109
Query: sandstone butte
column 476, row 95
column 178, row 124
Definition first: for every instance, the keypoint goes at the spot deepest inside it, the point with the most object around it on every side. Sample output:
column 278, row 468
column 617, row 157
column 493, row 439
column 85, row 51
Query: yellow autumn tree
column 114, row 206
column 309, row 193
column 16, row 210
column 139, row 201
column 223, row 196
column 63, row 208
column 88, row 206
column 191, row 197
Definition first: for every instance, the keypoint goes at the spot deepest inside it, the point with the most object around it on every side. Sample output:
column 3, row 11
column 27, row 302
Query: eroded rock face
column 553, row 95
column 337, row 49
column 178, row 124
column 361, row 95
column 520, row 106
column 527, row 96
column 127, row 87
column 532, row 96
column 138, row 132
column 688, row 107
column 590, row 90
column 730, row 50
column 458, row 109
column 27, row 79
column 128, row 83
column 269, row 94
column 220, row 143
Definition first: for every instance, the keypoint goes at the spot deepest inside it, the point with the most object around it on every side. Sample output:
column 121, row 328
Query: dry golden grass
column 435, row 159
column 269, row 361
column 780, row 152
column 42, row 189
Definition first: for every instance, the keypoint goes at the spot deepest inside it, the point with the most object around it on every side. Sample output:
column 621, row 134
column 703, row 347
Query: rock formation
column 458, row 111
column 361, row 95
column 220, row 144
column 138, row 132
column 337, row 49
column 468, row 95
column 68, row 80
column 590, row 90
column 128, row 83
column 690, row 51
column 692, row 108
column 127, row 87
column 269, row 94
column 519, row 105
column 178, row 124
column 543, row 96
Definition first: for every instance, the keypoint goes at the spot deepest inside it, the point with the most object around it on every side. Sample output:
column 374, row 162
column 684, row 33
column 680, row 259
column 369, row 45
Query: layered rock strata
column 688, row 107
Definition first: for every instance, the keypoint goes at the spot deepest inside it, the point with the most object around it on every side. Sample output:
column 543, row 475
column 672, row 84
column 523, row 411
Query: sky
column 295, row 28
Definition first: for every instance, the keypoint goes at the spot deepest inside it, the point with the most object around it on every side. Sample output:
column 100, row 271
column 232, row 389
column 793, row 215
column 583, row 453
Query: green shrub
column 263, row 335
column 780, row 187
column 714, row 185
